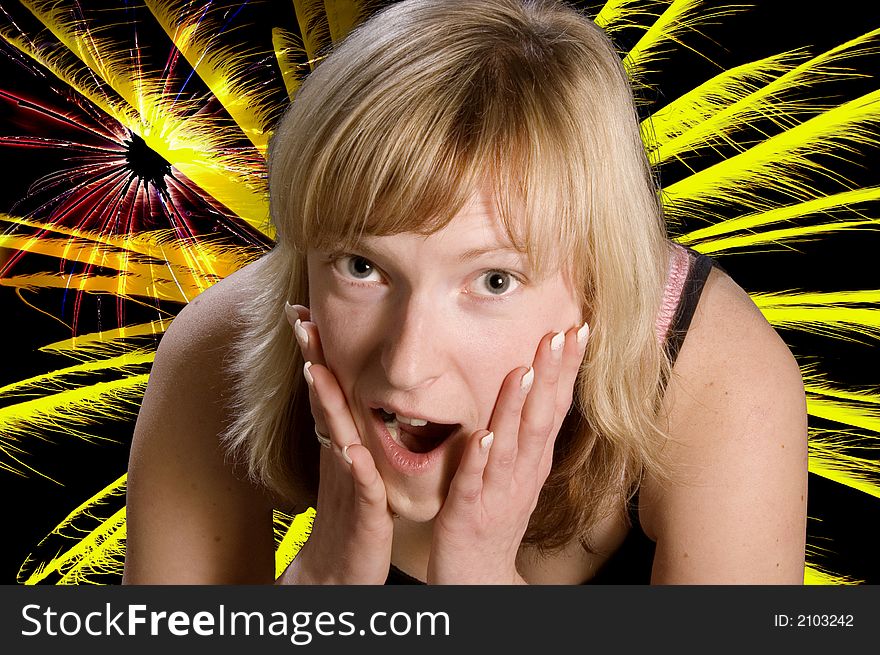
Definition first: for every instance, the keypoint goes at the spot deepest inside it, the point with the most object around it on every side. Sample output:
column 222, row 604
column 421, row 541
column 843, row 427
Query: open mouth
column 415, row 435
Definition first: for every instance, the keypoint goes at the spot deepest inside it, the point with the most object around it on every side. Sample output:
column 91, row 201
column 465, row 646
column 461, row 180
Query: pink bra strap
column 679, row 267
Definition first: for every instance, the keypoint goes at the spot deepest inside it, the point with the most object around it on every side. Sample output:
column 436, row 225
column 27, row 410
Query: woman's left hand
column 478, row 531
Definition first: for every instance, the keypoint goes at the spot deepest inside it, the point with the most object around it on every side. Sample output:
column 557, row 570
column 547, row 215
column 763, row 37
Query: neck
column 412, row 546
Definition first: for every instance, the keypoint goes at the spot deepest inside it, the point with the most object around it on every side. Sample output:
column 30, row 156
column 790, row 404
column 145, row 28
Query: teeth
column 406, row 420
column 412, row 421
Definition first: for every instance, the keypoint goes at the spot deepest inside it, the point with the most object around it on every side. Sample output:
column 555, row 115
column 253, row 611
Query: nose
column 411, row 349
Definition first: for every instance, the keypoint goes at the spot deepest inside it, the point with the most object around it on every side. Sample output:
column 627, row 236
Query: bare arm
column 739, row 428
column 191, row 519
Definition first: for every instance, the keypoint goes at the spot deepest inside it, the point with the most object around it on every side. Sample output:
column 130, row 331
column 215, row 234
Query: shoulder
column 198, row 339
column 212, row 315
column 736, row 508
column 188, row 511
column 188, row 371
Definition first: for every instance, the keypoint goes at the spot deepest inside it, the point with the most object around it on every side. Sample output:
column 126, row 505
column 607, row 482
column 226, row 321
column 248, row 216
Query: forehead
column 475, row 229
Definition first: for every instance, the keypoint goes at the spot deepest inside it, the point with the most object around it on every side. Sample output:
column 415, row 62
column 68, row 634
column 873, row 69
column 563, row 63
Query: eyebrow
column 473, row 253
column 465, row 256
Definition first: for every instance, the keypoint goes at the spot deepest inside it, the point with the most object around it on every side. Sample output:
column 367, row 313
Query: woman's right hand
column 350, row 542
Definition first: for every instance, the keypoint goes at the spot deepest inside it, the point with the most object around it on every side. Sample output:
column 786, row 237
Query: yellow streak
column 852, row 472
column 120, row 111
column 342, row 16
column 312, row 19
column 101, row 551
column 185, row 264
column 287, row 48
column 815, row 575
column 291, row 533
column 677, row 18
column 97, row 255
column 706, row 113
column 99, row 344
column 846, row 413
column 794, row 234
column 617, row 14
column 775, row 162
column 134, row 286
column 89, row 549
column 57, row 377
column 221, row 70
column 824, row 314
column 816, row 298
column 778, row 215
column 728, row 101
column 830, row 321
column 81, row 406
column 214, row 260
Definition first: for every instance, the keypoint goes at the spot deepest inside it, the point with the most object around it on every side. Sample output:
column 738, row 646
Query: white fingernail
column 308, row 374
column 528, row 377
column 301, row 333
column 345, row 454
column 290, row 312
column 583, row 333
column 557, row 341
column 486, row 441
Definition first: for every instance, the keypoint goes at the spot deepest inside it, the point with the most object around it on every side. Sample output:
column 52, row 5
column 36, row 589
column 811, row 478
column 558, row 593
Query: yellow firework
column 751, row 149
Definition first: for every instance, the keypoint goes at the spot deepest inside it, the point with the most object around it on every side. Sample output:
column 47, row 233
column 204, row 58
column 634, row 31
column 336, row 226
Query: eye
column 355, row 266
column 497, row 283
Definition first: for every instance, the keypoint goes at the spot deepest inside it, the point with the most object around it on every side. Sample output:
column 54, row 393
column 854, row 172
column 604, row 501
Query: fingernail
column 308, row 375
column 290, row 312
column 301, row 333
column 345, row 454
column 528, row 377
column 486, row 441
column 583, row 333
column 557, row 341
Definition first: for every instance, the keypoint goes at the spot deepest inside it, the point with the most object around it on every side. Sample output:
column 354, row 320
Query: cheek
column 345, row 335
column 489, row 357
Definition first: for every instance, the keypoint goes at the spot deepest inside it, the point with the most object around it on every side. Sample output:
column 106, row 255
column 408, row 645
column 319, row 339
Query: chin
column 416, row 466
column 415, row 502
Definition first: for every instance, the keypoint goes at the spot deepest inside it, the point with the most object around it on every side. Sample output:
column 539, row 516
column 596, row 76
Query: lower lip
column 405, row 460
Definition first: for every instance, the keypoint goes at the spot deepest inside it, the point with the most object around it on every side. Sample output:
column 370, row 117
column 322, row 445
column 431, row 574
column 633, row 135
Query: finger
column 333, row 406
column 505, row 424
column 368, row 485
column 309, row 342
column 310, row 345
column 539, row 410
column 294, row 312
column 572, row 358
column 465, row 490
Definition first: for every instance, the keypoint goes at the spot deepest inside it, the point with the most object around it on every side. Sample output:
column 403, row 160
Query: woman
column 461, row 349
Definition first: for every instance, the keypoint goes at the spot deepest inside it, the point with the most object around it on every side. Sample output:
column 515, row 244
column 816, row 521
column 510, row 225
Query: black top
column 633, row 561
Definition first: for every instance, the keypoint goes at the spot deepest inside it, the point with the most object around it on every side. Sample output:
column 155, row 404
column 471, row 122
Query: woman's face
column 427, row 328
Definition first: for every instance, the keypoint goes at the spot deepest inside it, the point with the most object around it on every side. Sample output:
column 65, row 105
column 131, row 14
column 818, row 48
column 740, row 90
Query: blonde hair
column 394, row 132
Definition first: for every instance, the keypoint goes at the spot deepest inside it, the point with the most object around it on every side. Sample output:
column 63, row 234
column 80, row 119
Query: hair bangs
column 539, row 176
column 390, row 185
column 410, row 162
